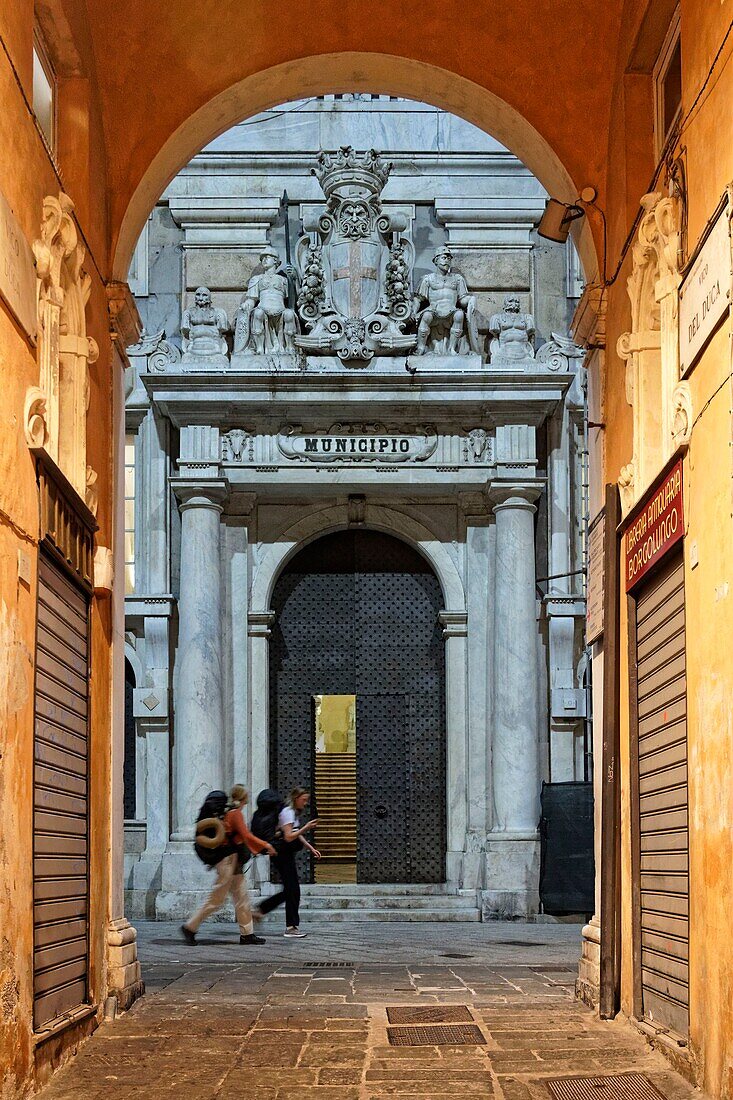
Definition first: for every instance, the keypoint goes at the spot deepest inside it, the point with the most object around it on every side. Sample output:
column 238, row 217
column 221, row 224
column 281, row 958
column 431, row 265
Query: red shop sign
column 655, row 525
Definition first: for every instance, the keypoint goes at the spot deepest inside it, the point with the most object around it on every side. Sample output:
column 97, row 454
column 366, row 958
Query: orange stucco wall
column 26, row 175
column 567, row 87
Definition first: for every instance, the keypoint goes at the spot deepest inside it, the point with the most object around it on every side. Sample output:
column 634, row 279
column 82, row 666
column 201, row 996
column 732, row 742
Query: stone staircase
column 362, row 902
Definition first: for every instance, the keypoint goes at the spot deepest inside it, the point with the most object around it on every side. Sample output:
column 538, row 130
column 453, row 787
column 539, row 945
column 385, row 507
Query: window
column 129, row 514
column 668, row 84
column 44, row 92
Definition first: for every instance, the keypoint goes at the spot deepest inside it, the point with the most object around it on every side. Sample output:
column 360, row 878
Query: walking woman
column 293, row 836
column 230, row 874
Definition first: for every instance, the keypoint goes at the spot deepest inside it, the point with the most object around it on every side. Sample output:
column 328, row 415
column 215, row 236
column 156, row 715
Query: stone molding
column 259, row 623
column 336, row 518
column 454, row 623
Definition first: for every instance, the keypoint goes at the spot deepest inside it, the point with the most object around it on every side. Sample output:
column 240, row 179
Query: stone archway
column 453, row 618
column 325, row 73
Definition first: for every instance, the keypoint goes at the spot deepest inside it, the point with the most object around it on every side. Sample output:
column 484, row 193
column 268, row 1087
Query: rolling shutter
column 662, row 797
column 60, row 793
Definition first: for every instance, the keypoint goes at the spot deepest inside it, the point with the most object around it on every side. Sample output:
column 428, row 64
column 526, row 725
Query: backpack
column 265, row 818
column 211, row 844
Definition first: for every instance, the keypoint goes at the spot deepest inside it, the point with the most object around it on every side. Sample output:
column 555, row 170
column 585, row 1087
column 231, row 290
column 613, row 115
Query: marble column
column 198, row 687
column 512, row 849
column 516, row 781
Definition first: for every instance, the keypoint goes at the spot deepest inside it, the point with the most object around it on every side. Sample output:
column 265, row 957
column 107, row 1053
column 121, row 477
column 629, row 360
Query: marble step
column 389, row 889
column 356, row 902
column 393, row 916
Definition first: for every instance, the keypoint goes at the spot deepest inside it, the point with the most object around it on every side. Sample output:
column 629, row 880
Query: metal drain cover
column 455, row 1035
column 444, row 1014
column 622, row 1086
column 455, row 955
column 329, row 966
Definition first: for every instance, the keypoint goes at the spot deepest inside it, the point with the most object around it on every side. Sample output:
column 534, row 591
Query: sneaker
column 252, row 939
column 188, row 935
column 294, row 934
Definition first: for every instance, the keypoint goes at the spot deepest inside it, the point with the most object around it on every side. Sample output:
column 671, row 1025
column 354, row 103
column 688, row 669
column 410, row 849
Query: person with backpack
column 224, row 842
column 288, row 838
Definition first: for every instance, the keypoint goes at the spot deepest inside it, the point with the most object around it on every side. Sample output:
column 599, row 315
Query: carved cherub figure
column 203, row 327
column 511, row 331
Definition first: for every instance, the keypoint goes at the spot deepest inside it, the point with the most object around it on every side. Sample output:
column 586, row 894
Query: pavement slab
column 221, row 1020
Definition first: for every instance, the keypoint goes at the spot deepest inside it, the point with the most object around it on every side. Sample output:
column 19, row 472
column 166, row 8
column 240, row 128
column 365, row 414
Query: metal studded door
column 357, row 613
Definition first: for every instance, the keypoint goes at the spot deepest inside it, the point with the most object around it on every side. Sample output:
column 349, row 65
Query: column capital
column 514, row 494
column 201, row 492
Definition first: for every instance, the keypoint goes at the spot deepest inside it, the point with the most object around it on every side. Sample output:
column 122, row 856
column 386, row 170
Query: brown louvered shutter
column 60, row 790
column 663, row 883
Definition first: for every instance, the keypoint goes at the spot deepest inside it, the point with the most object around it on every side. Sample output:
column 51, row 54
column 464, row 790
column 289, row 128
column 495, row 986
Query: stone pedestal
column 512, row 876
column 124, row 977
column 197, row 758
column 588, row 984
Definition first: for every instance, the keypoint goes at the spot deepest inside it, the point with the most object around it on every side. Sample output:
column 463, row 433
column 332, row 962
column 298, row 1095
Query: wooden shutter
column 662, row 887
column 60, row 796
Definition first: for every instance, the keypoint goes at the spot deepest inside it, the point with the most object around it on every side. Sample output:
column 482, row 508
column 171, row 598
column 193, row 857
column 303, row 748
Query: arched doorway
column 356, row 613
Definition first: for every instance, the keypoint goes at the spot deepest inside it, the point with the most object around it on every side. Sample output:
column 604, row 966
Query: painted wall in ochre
column 143, row 91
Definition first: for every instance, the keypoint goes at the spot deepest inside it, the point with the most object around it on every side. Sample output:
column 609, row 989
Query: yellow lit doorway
column 335, row 787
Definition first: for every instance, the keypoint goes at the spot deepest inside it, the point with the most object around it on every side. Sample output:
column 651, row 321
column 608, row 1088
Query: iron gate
column 357, row 613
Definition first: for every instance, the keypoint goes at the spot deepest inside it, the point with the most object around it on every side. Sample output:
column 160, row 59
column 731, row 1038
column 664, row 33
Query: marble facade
column 470, row 453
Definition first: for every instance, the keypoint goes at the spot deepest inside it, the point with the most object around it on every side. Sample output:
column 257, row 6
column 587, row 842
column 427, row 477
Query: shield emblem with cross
column 355, row 276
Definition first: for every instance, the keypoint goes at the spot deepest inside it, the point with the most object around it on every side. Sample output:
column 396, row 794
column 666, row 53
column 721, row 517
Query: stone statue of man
column 511, row 331
column 263, row 322
column 445, row 311
column 203, row 328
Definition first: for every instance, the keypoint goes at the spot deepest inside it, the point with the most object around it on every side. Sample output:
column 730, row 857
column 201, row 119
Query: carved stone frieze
column 237, row 446
column 478, row 446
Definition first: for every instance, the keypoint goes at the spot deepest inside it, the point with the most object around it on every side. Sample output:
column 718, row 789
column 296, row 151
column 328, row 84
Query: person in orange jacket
column 230, row 874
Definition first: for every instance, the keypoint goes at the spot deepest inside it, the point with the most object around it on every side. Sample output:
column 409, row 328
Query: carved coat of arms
column 354, row 264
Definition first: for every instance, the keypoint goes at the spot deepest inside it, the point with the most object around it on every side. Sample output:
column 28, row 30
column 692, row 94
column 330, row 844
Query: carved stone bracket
column 55, row 410
column 651, row 348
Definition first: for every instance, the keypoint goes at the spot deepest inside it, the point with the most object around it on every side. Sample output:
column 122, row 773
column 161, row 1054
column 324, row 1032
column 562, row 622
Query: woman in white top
column 293, row 836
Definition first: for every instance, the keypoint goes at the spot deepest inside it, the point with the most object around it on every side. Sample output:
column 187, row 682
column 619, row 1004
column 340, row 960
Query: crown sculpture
column 355, row 266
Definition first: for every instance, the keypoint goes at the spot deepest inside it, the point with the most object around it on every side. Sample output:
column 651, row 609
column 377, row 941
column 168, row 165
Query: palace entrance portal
column 356, row 614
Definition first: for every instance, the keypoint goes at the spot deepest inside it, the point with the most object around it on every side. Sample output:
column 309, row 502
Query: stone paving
column 220, row 1020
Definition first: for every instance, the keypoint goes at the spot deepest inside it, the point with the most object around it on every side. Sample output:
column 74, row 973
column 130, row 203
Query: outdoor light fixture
column 558, row 216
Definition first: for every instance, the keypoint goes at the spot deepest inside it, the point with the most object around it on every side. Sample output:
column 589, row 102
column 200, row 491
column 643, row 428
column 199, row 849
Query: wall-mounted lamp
column 558, row 216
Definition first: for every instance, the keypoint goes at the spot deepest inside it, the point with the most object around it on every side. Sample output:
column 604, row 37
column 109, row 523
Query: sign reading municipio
column 655, row 525
column 706, row 291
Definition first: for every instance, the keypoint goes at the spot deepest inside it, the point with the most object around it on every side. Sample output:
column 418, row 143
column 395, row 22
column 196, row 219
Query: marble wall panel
column 220, row 269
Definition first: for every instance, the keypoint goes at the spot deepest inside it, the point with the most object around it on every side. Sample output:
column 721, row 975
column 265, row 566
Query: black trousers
column 290, row 893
